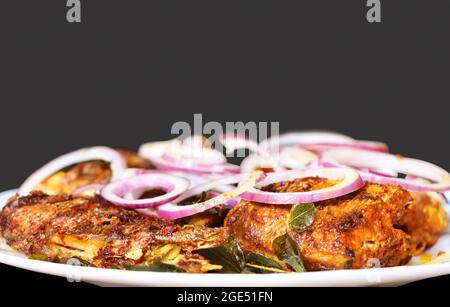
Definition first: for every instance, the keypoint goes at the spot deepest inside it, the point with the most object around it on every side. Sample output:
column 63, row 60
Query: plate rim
column 361, row 277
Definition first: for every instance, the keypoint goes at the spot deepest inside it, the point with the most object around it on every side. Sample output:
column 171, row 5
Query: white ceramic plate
column 366, row 277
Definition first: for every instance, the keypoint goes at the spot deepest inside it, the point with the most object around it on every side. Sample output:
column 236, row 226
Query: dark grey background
column 133, row 68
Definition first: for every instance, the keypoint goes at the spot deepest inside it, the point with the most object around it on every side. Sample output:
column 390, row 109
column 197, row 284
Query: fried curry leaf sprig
column 259, row 263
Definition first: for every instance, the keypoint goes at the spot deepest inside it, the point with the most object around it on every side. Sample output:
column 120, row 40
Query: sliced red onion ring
column 382, row 171
column 117, row 164
column 169, row 157
column 226, row 168
column 130, row 172
column 294, row 158
column 234, row 141
column 319, row 141
column 305, row 137
column 446, row 196
column 229, row 203
column 191, row 152
column 363, row 145
column 254, row 162
column 204, row 158
column 440, row 196
column 88, row 187
column 194, row 179
column 350, row 181
column 173, row 211
column 375, row 160
column 412, row 177
column 125, row 192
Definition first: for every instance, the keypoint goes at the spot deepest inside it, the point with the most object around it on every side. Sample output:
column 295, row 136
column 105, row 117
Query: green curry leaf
column 287, row 251
column 229, row 255
column 256, row 268
column 301, row 217
column 157, row 266
column 260, row 259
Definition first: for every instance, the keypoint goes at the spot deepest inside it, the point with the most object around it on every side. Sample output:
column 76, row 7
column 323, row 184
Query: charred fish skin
column 347, row 233
column 59, row 227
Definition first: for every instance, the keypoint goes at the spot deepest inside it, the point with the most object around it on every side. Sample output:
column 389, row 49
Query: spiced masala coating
column 57, row 228
column 381, row 223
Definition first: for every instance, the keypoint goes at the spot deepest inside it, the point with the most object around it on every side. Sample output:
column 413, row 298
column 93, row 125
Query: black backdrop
column 133, row 68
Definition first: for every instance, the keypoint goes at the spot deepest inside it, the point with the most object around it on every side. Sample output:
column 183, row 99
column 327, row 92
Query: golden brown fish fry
column 59, row 227
column 349, row 232
column 90, row 172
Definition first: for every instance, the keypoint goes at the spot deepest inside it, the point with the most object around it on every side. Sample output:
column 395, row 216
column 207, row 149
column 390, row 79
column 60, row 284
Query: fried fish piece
column 56, row 228
column 348, row 232
column 424, row 219
column 91, row 172
column 73, row 177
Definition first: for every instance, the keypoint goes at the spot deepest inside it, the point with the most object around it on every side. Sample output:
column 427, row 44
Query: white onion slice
column 125, row 192
column 173, row 211
column 375, row 160
column 350, row 181
column 117, row 164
